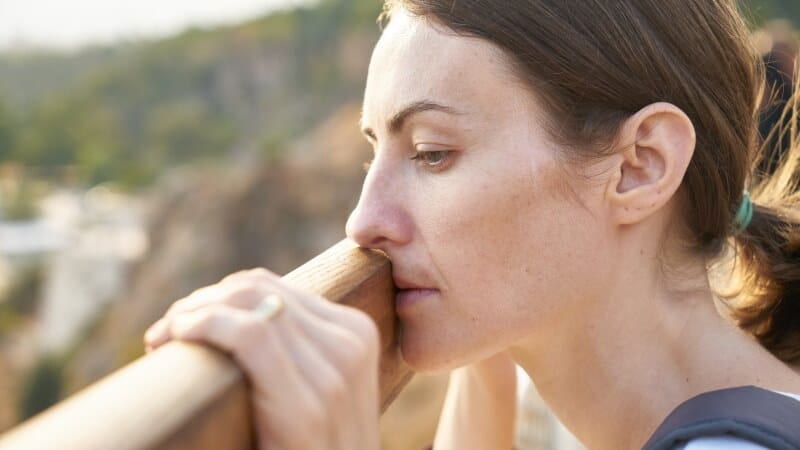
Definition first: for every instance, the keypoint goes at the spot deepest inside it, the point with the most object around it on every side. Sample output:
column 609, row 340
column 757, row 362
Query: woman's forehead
column 417, row 59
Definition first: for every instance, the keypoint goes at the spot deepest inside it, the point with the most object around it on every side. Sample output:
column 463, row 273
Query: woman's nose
column 379, row 220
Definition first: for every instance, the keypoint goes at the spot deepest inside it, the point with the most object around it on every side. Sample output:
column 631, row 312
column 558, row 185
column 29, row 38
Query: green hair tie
column 744, row 215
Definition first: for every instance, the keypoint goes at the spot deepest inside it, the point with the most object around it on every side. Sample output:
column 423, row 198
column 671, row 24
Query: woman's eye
column 432, row 159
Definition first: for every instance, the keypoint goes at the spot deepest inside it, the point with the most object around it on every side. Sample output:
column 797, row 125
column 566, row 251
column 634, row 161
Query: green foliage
column 175, row 127
column 9, row 321
column 272, row 145
column 20, row 299
column 761, row 10
column 197, row 96
column 28, row 78
column 23, row 204
column 20, row 196
column 42, row 388
column 23, row 294
column 7, row 133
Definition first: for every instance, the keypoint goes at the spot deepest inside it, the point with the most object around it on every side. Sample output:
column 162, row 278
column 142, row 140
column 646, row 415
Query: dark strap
column 751, row 413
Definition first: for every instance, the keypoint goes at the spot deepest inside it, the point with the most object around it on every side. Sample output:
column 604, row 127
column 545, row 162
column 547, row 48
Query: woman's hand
column 313, row 365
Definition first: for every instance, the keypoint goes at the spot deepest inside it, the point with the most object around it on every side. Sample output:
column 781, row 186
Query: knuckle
column 248, row 286
column 353, row 357
column 260, row 272
column 205, row 319
column 314, row 414
column 241, row 274
column 172, row 310
column 361, row 352
column 365, row 328
column 244, row 289
column 246, row 335
column 196, row 320
column 333, row 388
column 228, row 278
column 178, row 305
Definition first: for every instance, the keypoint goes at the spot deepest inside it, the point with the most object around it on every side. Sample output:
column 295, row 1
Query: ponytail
column 766, row 291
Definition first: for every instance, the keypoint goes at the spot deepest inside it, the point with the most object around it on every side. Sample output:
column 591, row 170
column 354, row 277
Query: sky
column 69, row 24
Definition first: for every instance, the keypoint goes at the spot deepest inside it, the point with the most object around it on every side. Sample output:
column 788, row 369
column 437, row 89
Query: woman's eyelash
column 431, row 159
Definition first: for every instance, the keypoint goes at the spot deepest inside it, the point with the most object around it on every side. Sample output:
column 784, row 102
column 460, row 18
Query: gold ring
column 269, row 307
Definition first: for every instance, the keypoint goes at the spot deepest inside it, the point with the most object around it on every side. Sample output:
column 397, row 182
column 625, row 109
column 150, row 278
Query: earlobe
column 657, row 145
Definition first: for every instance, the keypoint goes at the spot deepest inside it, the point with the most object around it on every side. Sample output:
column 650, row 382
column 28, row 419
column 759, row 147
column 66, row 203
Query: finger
column 273, row 283
column 259, row 272
column 359, row 338
column 348, row 356
column 157, row 335
column 276, row 359
column 247, row 287
column 254, row 344
column 330, row 336
column 242, row 295
column 320, row 378
column 243, row 289
column 237, row 288
column 319, row 346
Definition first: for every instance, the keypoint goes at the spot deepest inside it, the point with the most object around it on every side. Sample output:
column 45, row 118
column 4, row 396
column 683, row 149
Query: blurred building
column 83, row 242
column 91, row 267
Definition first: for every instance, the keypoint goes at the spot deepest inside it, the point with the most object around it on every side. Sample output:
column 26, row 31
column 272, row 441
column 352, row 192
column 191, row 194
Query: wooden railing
column 185, row 396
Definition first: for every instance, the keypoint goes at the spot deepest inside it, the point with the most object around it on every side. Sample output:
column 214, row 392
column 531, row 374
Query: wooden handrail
column 186, row 396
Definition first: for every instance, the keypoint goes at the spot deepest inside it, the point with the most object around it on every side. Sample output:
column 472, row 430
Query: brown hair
column 594, row 63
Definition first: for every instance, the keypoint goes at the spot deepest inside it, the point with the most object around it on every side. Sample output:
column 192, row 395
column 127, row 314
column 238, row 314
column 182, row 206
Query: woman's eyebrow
column 397, row 121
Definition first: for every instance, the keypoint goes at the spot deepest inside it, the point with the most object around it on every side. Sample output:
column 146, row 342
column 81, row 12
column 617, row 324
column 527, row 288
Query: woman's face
column 491, row 240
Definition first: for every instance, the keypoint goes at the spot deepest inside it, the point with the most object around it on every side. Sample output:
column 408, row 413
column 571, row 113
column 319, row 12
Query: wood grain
column 185, row 396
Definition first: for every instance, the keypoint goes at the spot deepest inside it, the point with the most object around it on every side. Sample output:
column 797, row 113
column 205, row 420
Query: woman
column 551, row 182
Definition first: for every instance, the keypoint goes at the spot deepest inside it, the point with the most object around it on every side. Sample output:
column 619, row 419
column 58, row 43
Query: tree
column 42, row 389
column 7, row 132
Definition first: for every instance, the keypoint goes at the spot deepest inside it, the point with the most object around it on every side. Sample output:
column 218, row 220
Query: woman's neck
column 613, row 370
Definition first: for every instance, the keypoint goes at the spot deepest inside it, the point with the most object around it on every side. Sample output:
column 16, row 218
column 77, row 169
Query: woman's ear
column 657, row 145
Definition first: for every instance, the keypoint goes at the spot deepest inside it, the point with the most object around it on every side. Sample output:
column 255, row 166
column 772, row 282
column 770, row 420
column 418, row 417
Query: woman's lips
column 406, row 299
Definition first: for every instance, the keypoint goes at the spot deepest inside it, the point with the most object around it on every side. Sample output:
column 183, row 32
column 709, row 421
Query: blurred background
column 150, row 148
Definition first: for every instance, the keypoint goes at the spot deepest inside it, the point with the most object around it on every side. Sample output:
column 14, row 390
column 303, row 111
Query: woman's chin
column 422, row 365
column 433, row 350
column 424, row 355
